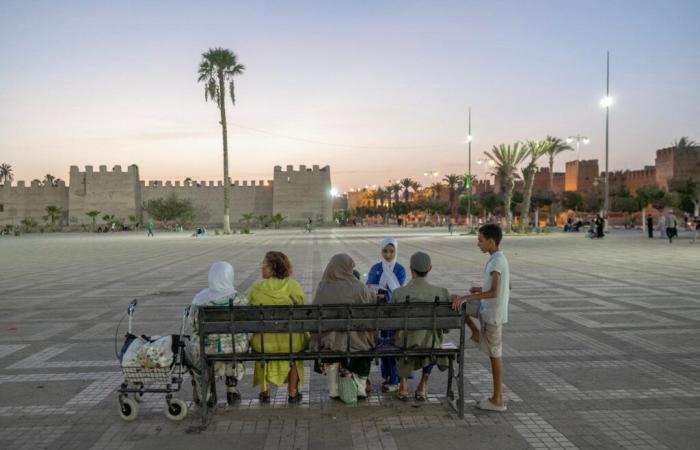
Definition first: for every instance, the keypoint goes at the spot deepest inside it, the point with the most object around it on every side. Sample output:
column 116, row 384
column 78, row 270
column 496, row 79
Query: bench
column 321, row 318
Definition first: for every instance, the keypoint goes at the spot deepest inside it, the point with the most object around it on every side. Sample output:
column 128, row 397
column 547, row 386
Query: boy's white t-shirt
column 495, row 310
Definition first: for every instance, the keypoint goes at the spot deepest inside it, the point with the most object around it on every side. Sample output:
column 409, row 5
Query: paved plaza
column 602, row 349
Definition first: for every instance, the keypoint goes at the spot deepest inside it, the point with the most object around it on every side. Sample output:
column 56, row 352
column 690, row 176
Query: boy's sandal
column 403, row 396
column 263, row 397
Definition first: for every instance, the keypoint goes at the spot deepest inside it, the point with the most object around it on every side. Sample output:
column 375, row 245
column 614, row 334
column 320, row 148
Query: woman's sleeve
column 373, row 276
column 251, row 295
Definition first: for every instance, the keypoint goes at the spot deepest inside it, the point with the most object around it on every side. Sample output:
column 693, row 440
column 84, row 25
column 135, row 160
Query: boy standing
column 495, row 292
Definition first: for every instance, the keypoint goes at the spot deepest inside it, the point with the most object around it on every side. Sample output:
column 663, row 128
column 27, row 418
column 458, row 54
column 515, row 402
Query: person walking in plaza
column 277, row 289
column 149, row 227
column 650, row 226
column 419, row 290
column 339, row 286
column 671, row 226
column 387, row 276
column 221, row 292
column 494, row 296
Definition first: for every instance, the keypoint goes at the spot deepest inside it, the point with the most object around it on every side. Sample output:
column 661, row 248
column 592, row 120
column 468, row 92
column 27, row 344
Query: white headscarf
column 220, row 284
column 388, row 278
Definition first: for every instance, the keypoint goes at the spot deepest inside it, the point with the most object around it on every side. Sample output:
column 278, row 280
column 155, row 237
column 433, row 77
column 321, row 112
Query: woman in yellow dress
column 278, row 289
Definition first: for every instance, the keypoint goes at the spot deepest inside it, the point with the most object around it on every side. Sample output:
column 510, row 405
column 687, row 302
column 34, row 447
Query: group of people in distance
column 387, row 282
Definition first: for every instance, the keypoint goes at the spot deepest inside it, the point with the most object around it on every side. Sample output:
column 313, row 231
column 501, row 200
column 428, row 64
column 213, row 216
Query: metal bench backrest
column 321, row 318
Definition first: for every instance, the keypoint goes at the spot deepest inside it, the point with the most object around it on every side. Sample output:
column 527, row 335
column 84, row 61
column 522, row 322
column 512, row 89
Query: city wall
column 207, row 198
column 20, row 201
column 112, row 192
column 303, row 194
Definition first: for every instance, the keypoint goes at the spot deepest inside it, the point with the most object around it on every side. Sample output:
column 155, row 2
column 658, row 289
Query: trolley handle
column 130, row 311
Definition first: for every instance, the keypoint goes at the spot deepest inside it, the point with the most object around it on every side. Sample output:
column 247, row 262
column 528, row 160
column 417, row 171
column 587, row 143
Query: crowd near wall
column 304, row 193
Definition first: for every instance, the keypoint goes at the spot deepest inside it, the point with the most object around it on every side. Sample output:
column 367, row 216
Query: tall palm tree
column 406, row 183
column 452, row 181
column 506, row 159
column 535, row 149
column 416, row 186
column 381, row 195
column 49, row 180
column 218, row 67
column 6, row 175
column 556, row 146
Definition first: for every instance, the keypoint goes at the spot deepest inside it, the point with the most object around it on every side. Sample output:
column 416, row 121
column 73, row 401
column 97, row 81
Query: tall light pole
column 578, row 139
column 606, row 102
column 469, row 167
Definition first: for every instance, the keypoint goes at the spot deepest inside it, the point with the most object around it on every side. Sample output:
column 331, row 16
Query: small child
column 495, row 293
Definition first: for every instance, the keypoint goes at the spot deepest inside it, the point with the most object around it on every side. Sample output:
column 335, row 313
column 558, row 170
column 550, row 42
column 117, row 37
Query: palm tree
column 556, row 146
column 277, row 219
column 219, row 66
column 93, row 215
column 262, row 220
column 49, row 180
column 685, row 142
column 54, row 212
column 415, row 186
column 406, row 183
column 506, row 159
column 6, row 175
column 535, row 149
column 452, row 181
column 246, row 218
column 29, row 224
column 381, row 196
column 436, row 189
column 396, row 188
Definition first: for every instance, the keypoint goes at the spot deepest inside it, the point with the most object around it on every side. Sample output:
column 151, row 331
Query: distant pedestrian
column 150, row 229
column 650, row 227
column 696, row 219
column 599, row 226
column 671, row 226
column 308, row 225
column 662, row 226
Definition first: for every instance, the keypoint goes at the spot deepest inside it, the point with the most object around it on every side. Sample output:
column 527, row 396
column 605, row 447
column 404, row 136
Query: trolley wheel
column 138, row 396
column 176, row 410
column 128, row 409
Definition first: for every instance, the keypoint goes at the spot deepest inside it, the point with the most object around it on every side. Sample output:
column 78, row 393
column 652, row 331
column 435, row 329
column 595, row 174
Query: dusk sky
column 376, row 90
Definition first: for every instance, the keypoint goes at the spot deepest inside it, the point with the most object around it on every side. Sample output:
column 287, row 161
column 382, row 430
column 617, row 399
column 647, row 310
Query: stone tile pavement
column 602, row 349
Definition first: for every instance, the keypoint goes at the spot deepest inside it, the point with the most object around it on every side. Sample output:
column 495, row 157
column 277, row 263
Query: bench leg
column 450, row 376
column 204, row 391
column 460, row 385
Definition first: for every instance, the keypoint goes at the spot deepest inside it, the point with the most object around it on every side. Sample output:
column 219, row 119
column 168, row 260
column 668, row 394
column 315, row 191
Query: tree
column 247, row 218
column 6, row 173
column 436, row 189
column 452, row 181
column 535, row 149
column 406, row 184
column 49, row 180
column 29, row 224
column 396, row 189
column 506, row 159
column 93, row 215
column 685, row 142
column 218, row 67
column 277, row 219
column 556, row 146
column 54, row 212
column 382, row 196
column 262, row 220
column 170, row 209
column 572, row 200
column 489, row 201
column 688, row 194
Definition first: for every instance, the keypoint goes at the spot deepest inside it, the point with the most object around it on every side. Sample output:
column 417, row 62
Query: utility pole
column 607, row 103
column 469, row 169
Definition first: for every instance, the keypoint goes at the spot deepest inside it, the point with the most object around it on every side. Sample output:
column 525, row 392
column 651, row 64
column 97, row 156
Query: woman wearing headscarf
column 387, row 276
column 220, row 292
column 277, row 289
column 339, row 286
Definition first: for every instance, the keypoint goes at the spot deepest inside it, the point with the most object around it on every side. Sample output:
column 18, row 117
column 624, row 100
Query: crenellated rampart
column 303, row 194
column 21, row 201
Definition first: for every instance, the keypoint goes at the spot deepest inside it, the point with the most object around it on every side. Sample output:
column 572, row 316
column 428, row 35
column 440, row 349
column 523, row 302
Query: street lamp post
column 578, row 139
column 606, row 102
column 469, row 168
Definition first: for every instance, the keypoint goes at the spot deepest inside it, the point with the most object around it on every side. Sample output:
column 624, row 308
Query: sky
column 378, row 90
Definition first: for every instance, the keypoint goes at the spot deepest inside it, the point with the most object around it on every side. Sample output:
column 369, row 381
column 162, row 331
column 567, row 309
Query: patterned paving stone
column 598, row 355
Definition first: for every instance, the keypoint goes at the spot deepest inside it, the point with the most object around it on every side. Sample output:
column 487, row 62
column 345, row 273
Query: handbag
column 348, row 386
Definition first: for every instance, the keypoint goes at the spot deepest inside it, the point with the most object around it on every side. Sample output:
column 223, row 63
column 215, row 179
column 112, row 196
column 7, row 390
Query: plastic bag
column 149, row 353
column 349, row 385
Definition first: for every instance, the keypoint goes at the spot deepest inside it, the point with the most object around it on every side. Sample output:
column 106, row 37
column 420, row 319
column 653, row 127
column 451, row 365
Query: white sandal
column 487, row 405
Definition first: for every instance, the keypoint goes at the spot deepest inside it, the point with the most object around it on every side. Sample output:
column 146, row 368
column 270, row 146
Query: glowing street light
column 606, row 102
column 431, row 173
column 334, row 192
